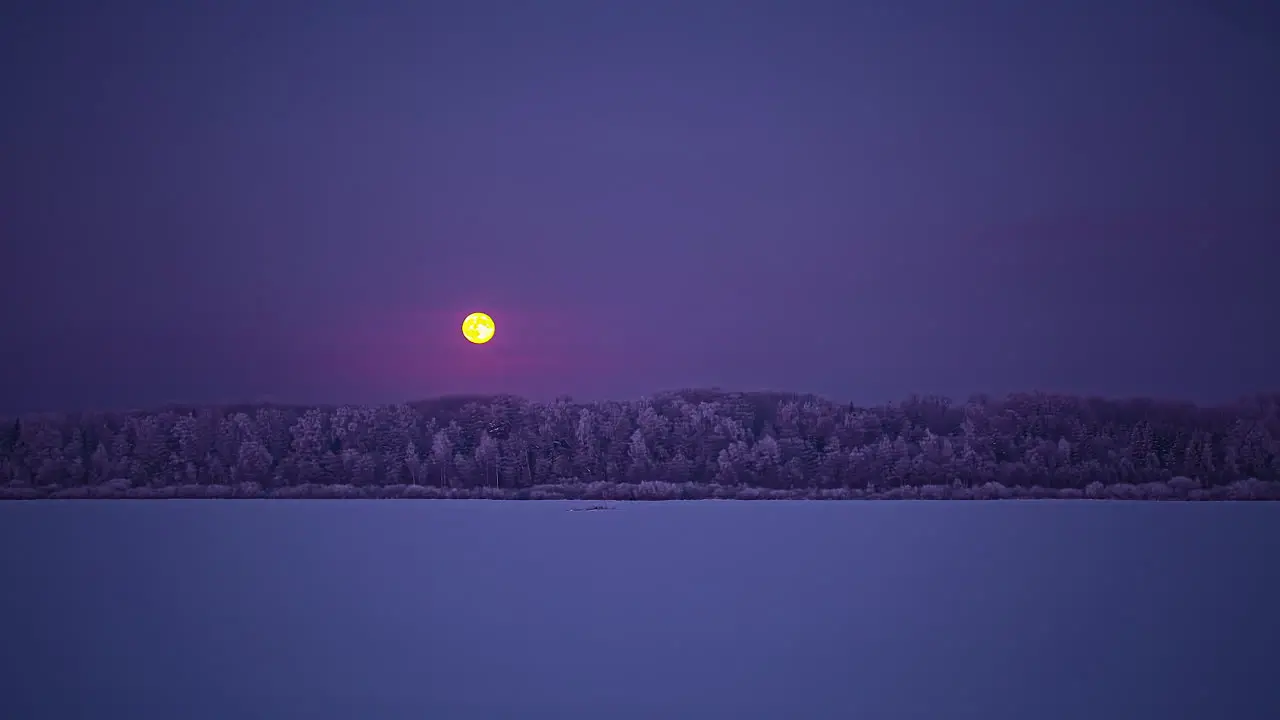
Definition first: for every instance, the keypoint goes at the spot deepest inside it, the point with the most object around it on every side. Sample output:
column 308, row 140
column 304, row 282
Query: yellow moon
column 478, row 328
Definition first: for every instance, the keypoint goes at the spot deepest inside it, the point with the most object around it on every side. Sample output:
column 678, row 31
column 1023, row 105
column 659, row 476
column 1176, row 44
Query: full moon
column 478, row 328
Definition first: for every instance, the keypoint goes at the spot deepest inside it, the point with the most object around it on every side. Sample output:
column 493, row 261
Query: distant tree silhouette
column 686, row 444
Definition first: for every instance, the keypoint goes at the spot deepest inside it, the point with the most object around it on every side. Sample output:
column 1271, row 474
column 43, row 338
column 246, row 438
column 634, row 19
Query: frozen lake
column 472, row 610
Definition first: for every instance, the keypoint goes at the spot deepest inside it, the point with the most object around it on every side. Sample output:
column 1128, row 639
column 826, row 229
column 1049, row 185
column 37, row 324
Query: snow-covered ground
column 700, row 609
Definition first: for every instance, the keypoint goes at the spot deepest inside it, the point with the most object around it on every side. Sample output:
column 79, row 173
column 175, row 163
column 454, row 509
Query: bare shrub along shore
column 691, row 444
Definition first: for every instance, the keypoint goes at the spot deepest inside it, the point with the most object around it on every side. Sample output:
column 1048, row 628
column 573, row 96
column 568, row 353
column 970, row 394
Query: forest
column 689, row 444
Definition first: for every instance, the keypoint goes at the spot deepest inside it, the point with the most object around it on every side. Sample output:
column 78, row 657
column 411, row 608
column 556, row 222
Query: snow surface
column 709, row 609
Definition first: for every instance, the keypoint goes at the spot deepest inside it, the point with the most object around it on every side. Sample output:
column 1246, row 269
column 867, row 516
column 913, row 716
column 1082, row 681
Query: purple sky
column 238, row 200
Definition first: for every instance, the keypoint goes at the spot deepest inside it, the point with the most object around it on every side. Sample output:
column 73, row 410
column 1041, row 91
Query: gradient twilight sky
column 247, row 199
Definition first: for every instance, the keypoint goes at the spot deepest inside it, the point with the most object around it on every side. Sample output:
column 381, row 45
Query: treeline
column 687, row 444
